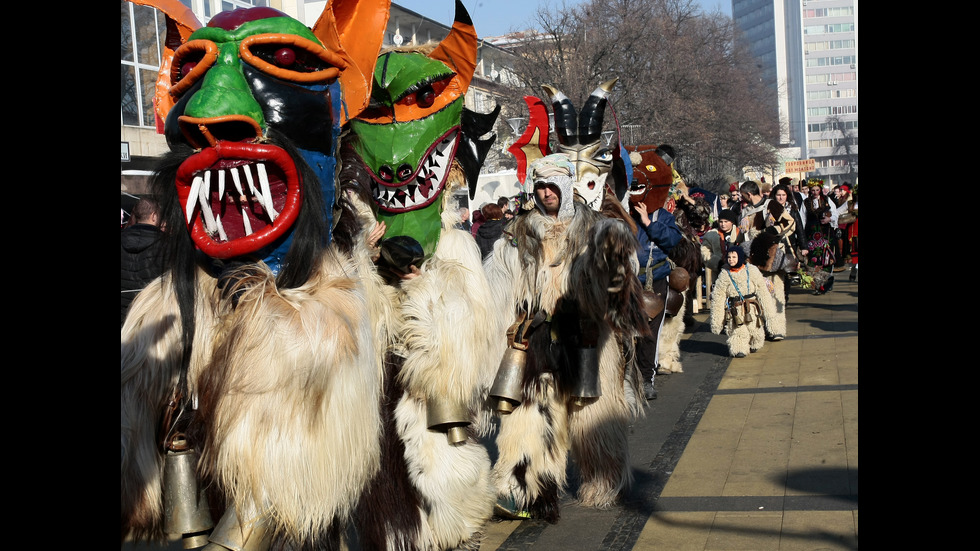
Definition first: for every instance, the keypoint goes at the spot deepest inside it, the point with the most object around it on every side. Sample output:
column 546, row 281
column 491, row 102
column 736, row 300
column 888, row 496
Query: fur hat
column 786, row 180
column 729, row 215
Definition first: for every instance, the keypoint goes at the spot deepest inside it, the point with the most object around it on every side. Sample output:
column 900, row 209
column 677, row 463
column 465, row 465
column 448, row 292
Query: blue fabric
column 660, row 237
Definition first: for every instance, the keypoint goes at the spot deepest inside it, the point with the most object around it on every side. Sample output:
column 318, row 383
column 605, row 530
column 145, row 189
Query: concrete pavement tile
column 809, row 530
column 675, row 531
column 744, row 531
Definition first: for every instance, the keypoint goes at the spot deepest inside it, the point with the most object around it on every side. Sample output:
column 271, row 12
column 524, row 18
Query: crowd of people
column 332, row 349
column 768, row 240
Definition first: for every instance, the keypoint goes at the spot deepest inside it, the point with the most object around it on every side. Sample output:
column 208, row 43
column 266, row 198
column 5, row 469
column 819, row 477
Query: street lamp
column 515, row 125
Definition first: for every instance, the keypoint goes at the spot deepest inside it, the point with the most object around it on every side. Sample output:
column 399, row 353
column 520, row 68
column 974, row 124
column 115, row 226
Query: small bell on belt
column 185, row 505
column 506, row 389
column 586, row 388
column 442, row 415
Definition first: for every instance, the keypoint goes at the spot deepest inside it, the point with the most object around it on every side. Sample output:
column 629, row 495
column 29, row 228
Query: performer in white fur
column 434, row 488
column 261, row 347
column 741, row 305
column 560, row 268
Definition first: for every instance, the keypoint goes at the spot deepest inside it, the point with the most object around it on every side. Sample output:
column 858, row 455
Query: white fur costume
column 750, row 336
column 446, row 324
column 671, row 333
column 273, row 376
column 543, row 264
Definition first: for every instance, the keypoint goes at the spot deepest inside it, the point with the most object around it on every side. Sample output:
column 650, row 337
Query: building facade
column 807, row 50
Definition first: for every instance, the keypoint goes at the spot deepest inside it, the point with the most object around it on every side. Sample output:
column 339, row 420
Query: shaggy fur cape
column 579, row 272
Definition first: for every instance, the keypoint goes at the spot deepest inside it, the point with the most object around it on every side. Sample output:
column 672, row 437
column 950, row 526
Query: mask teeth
column 424, row 186
column 206, row 181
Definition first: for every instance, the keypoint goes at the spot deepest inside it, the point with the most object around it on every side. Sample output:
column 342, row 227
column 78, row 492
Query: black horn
column 590, row 120
column 565, row 117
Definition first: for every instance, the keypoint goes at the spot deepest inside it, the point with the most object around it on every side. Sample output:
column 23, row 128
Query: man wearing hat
column 716, row 242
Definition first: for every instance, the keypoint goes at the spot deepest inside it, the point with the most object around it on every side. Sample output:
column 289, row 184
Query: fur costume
column 599, row 180
column 568, row 276
column 653, row 185
column 745, row 324
column 410, row 152
column 261, row 347
column 689, row 215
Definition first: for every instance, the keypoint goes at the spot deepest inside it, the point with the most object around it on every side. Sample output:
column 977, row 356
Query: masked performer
column 564, row 270
column 651, row 206
column 260, row 348
column 741, row 305
column 413, row 147
column 685, row 257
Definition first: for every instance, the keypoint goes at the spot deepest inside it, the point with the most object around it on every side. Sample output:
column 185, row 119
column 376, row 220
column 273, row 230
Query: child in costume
column 741, row 305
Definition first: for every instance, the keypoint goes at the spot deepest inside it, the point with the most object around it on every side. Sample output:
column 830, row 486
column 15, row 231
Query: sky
column 497, row 17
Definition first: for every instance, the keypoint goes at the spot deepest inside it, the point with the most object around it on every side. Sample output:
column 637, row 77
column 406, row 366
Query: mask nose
column 202, row 132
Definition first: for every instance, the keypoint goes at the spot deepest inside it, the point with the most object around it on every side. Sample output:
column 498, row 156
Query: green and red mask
column 408, row 137
column 260, row 98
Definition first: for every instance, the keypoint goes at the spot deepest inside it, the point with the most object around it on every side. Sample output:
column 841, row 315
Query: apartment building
column 807, row 50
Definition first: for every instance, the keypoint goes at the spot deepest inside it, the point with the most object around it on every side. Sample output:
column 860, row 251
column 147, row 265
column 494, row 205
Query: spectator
column 464, row 216
column 477, row 220
column 716, row 242
column 491, row 229
column 819, row 221
column 852, row 236
column 752, row 217
column 794, row 242
column 142, row 245
column 842, row 254
column 735, row 202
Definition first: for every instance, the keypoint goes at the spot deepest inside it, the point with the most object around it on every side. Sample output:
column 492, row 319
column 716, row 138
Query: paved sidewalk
column 771, row 462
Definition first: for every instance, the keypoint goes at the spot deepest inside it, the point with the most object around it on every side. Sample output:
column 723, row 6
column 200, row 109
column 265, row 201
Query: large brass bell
column 586, row 388
column 447, row 417
column 507, row 386
column 674, row 301
column 653, row 304
column 185, row 505
column 232, row 533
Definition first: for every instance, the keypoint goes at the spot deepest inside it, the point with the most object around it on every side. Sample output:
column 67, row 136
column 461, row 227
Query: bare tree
column 845, row 146
column 682, row 79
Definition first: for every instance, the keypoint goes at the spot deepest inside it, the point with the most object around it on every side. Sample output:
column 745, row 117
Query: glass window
column 146, row 35
column 129, row 99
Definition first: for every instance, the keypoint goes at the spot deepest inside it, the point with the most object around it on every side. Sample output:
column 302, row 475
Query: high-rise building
column 807, row 50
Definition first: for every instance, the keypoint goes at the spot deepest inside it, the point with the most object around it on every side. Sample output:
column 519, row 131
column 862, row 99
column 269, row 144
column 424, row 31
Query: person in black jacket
column 490, row 230
column 141, row 260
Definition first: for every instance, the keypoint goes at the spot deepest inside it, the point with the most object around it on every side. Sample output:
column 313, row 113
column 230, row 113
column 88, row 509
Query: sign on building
column 125, row 152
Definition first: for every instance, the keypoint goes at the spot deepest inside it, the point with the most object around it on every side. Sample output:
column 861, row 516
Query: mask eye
column 191, row 61
column 425, row 97
column 603, row 155
column 291, row 58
